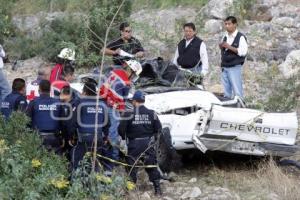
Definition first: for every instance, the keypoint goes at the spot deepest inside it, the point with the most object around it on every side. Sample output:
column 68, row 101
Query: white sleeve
column 204, row 58
column 243, row 47
column 2, row 52
column 176, row 57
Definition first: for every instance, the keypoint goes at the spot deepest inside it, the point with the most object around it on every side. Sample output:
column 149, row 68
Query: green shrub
column 83, row 28
column 28, row 171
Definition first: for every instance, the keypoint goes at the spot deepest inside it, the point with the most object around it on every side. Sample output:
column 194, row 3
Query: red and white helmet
column 135, row 66
column 67, row 54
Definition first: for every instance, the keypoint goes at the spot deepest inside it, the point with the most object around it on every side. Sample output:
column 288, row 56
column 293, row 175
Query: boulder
column 213, row 26
column 216, row 9
column 291, row 65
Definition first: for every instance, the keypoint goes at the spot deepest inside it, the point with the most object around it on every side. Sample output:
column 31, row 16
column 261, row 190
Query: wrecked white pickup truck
column 196, row 119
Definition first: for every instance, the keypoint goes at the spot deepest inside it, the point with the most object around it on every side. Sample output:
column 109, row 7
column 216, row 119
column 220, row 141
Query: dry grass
column 265, row 181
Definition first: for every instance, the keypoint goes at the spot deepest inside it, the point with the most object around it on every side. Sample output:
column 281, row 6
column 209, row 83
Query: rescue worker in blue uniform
column 45, row 112
column 85, row 124
column 140, row 127
column 16, row 100
column 70, row 101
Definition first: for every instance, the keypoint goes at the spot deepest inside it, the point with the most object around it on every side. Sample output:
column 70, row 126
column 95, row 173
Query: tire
column 167, row 156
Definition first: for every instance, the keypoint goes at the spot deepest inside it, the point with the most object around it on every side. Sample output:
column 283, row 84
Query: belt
column 81, row 136
column 143, row 138
column 47, row 133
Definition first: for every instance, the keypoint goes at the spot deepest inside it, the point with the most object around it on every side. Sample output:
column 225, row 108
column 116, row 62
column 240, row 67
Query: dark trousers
column 52, row 143
column 135, row 149
column 80, row 149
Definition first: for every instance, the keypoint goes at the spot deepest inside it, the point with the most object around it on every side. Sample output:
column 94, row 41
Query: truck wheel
column 167, row 157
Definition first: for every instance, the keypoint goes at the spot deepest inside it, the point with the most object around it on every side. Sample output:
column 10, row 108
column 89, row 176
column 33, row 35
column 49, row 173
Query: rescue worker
column 32, row 88
column 86, row 116
column 66, row 56
column 70, row 101
column 44, row 112
column 139, row 128
column 113, row 92
column 16, row 100
column 66, row 77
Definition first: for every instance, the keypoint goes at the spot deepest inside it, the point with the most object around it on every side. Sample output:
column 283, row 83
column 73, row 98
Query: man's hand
column 203, row 73
column 117, row 51
column 139, row 54
column 224, row 45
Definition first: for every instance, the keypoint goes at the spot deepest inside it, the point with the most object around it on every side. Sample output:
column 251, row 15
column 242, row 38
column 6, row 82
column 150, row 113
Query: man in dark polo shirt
column 125, row 46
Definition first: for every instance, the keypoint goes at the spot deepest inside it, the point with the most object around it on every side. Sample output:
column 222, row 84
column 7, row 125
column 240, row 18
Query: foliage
column 276, row 96
column 6, row 27
column 284, row 97
column 28, row 171
column 82, row 27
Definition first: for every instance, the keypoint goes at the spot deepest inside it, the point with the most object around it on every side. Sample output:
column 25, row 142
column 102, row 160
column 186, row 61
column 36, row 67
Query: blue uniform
column 13, row 102
column 85, row 124
column 139, row 127
column 45, row 112
column 68, row 123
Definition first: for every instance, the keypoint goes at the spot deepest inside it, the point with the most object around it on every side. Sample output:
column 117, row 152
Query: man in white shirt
column 234, row 49
column 4, row 85
column 191, row 52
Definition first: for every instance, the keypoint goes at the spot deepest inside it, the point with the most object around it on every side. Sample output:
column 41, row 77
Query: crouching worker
column 140, row 127
column 85, row 124
column 44, row 112
column 16, row 100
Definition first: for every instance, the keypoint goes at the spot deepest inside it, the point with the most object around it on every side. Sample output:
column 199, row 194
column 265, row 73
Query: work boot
column 157, row 189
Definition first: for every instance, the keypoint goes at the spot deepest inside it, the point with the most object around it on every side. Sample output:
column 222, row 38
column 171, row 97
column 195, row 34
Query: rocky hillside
column 271, row 27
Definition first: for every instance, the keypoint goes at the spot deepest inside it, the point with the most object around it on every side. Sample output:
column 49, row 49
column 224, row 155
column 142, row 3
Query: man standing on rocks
column 234, row 49
column 191, row 52
column 4, row 85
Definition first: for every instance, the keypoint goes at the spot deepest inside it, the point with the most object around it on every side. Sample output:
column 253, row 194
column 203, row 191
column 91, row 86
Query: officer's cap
column 139, row 96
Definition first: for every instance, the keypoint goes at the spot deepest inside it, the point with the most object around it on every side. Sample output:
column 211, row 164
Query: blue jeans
column 113, row 135
column 232, row 81
column 4, row 86
column 196, row 70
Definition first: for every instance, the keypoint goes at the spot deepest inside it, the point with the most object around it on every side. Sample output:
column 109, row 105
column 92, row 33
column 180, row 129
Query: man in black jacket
column 139, row 128
column 191, row 51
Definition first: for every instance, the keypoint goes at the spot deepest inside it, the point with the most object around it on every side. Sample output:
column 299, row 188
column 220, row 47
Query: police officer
column 86, row 118
column 139, row 127
column 45, row 112
column 70, row 101
column 16, row 100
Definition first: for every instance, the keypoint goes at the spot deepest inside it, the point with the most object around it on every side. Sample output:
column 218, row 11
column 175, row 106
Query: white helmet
column 67, row 54
column 135, row 66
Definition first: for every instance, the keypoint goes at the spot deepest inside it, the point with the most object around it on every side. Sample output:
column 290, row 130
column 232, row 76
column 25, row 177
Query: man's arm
column 140, row 50
column 157, row 125
column 21, row 104
column 29, row 112
column 241, row 50
column 204, row 59
column 176, row 57
column 2, row 52
column 110, row 52
column 243, row 47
